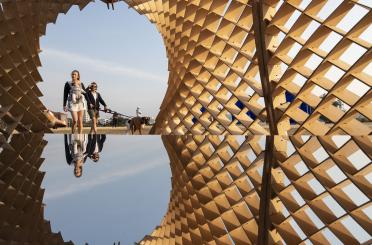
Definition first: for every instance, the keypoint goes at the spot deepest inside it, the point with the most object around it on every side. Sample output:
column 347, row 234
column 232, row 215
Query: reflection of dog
column 136, row 123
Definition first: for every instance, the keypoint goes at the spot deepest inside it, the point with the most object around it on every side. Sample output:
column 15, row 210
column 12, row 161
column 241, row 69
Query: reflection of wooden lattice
column 321, row 187
column 214, row 190
column 21, row 209
column 319, row 191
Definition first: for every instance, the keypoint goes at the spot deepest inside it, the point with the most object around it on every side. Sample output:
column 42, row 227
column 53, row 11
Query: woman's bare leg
column 74, row 116
column 80, row 121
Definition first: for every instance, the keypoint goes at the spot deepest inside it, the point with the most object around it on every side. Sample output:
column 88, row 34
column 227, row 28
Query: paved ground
column 104, row 130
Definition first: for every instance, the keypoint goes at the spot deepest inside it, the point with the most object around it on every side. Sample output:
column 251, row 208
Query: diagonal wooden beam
column 263, row 61
column 264, row 221
column 259, row 26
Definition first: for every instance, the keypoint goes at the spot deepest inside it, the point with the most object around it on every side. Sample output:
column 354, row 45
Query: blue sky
column 125, row 195
column 122, row 197
column 120, row 49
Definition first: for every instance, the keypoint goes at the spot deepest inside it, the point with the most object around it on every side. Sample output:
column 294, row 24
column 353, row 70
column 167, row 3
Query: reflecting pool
column 121, row 194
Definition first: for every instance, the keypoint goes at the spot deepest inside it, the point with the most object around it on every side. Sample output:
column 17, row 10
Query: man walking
column 94, row 101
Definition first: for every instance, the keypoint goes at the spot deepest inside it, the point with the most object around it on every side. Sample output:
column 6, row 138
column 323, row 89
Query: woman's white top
column 81, row 105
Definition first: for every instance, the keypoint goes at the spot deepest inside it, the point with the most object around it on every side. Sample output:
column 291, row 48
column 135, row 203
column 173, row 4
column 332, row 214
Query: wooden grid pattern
column 318, row 65
column 215, row 185
column 319, row 56
column 322, row 185
column 322, row 191
column 21, row 209
column 319, row 70
column 214, row 82
column 22, row 22
column 324, row 58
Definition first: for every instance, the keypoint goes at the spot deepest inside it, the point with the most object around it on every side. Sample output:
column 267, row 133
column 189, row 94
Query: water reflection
column 122, row 196
column 319, row 189
column 79, row 147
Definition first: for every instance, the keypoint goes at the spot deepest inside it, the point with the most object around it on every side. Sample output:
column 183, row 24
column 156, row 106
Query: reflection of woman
column 75, row 148
column 75, row 95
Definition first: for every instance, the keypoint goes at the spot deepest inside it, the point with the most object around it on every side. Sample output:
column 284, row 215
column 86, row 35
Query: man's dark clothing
column 115, row 119
column 67, row 151
column 93, row 101
column 98, row 139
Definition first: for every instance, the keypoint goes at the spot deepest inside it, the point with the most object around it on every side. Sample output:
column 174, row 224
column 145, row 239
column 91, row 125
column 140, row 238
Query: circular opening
column 120, row 50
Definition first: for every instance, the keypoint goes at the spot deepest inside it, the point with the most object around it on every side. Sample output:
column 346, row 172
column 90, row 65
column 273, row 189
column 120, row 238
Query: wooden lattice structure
column 21, row 25
column 321, row 191
column 285, row 69
column 286, row 66
column 21, row 208
column 306, row 71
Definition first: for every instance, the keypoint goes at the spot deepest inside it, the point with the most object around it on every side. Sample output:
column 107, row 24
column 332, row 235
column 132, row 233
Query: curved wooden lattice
column 311, row 72
column 235, row 67
column 21, row 197
column 318, row 61
column 22, row 22
column 324, row 57
column 321, row 191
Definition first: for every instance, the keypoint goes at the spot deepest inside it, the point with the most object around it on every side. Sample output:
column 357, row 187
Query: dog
column 55, row 119
column 136, row 123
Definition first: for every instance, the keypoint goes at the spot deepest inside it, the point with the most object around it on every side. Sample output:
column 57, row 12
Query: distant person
column 108, row 2
column 115, row 119
column 75, row 148
column 74, row 100
column 138, row 112
column 95, row 146
column 94, row 101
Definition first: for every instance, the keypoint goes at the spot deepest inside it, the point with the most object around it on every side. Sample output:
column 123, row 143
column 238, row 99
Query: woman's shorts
column 93, row 113
column 77, row 107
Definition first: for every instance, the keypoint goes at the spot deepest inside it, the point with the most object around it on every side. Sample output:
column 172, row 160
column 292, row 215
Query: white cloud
column 100, row 180
column 102, row 65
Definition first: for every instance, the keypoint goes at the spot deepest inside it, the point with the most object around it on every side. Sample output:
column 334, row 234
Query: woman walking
column 75, row 97
column 94, row 100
